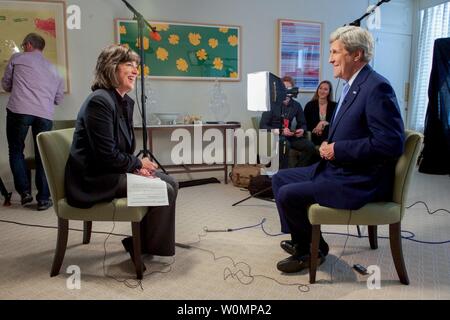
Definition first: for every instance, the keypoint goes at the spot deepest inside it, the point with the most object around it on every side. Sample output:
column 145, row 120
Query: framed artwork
column 299, row 52
column 19, row 18
column 186, row 51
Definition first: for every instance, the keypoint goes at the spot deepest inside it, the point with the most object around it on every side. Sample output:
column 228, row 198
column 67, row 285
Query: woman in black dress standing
column 318, row 112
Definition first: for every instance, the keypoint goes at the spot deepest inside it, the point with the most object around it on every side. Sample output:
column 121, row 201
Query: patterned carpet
column 227, row 265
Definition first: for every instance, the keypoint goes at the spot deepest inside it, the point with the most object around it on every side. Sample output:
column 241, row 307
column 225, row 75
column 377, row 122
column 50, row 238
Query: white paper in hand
column 146, row 192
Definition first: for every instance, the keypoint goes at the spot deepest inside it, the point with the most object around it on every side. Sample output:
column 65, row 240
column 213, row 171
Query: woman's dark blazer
column 313, row 118
column 102, row 149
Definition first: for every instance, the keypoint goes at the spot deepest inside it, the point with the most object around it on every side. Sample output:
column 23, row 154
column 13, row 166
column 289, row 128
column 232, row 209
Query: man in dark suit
column 366, row 137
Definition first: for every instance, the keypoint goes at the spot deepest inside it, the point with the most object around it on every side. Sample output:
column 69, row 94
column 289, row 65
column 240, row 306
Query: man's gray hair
column 355, row 38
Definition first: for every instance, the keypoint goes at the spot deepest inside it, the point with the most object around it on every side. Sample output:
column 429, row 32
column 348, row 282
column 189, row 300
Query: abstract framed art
column 186, row 51
column 18, row 18
column 299, row 52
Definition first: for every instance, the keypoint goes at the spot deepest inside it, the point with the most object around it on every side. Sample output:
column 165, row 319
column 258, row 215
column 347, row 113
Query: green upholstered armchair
column 54, row 148
column 57, row 125
column 376, row 213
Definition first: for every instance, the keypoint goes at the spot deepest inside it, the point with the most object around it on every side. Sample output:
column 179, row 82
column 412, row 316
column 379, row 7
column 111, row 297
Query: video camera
column 292, row 92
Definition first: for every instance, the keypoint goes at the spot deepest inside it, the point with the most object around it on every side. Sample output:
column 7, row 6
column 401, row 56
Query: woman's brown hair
column 330, row 94
column 107, row 64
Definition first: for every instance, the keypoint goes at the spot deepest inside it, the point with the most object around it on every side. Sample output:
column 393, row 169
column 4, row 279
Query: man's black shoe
column 289, row 247
column 44, row 205
column 25, row 198
column 128, row 245
column 297, row 263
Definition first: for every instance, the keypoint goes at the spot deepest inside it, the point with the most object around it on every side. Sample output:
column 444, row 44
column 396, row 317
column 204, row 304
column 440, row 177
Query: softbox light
column 264, row 90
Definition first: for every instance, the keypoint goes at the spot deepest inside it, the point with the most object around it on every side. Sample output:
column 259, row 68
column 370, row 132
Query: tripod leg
column 235, row 204
column 252, row 196
column 157, row 162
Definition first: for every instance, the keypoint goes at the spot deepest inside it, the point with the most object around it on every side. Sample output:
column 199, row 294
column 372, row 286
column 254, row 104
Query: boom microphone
column 155, row 35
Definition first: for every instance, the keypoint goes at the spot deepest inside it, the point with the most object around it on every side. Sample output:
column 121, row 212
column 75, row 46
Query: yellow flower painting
column 161, row 26
column 146, row 70
column 233, row 41
column 218, row 63
column 185, row 50
column 146, row 43
column 162, row 54
column 174, row 39
column 194, row 38
column 182, row 65
column 202, row 54
column 213, row 43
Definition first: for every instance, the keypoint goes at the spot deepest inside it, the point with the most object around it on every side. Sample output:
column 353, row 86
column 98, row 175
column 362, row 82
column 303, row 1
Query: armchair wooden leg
column 87, row 230
column 395, row 239
column 315, row 239
column 373, row 237
column 136, row 231
column 61, row 245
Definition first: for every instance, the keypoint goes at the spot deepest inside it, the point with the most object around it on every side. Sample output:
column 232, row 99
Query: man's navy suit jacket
column 368, row 134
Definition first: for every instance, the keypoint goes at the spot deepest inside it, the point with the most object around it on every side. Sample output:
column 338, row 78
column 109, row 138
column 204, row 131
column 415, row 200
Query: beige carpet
column 26, row 254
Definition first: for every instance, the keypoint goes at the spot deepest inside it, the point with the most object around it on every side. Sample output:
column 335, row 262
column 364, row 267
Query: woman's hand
column 318, row 130
column 144, row 173
column 148, row 165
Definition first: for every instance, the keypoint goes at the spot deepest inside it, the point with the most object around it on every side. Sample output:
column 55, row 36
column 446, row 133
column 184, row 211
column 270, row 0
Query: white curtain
column 434, row 24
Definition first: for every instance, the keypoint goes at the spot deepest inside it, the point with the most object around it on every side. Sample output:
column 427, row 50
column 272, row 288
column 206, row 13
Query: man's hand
column 327, row 150
column 299, row 133
column 287, row 132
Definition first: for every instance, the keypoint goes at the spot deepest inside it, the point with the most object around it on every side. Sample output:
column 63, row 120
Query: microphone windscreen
column 155, row 36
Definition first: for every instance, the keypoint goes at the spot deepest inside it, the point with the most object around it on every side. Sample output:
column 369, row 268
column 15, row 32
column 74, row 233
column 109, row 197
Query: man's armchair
column 376, row 213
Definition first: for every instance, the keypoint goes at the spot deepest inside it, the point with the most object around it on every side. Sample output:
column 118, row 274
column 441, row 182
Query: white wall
column 258, row 22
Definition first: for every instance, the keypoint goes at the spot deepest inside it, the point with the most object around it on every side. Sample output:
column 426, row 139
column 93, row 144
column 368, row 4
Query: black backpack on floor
column 261, row 184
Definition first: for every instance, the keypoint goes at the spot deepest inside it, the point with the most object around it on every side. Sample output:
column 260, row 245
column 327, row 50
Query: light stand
column 265, row 91
column 357, row 22
column 281, row 149
column 142, row 23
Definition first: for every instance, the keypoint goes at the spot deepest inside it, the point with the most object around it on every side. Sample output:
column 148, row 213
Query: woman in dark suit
column 318, row 112
column 103, row 146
